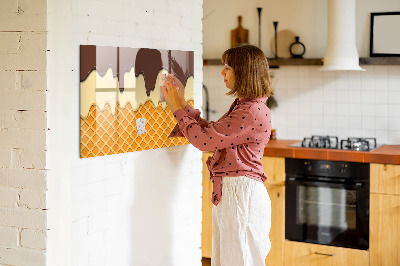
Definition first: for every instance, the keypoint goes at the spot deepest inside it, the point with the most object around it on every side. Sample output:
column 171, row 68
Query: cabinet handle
column 324, row 254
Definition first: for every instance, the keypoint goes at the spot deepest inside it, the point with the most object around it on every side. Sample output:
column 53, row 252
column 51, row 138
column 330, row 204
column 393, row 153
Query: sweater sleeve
column 193, row 113
column 231, row 130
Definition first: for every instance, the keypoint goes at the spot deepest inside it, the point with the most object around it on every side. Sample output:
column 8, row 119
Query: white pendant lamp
column 341, row 51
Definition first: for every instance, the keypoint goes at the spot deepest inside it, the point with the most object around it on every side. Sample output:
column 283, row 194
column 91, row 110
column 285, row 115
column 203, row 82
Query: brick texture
column 23, row 126
column 9, row 237
column 33, row 239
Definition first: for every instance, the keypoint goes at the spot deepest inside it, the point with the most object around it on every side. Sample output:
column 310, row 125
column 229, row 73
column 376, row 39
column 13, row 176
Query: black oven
column 327, row 202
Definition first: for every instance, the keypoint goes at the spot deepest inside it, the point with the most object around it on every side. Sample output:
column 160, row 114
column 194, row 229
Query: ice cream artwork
column 122, row 108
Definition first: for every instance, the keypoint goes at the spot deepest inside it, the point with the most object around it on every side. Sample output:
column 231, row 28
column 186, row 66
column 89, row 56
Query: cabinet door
column 274, row 168
column 277, row 233
column 304, row 254
column 384, row 230
column 206, row 226
column 385, row 178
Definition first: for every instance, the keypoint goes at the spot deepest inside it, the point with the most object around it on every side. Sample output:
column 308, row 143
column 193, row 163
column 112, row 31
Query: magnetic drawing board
column 121, row 105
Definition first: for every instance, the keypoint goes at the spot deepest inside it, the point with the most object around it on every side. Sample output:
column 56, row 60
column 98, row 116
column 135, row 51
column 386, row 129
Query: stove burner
column 358, row 144
column 328, row 142
column 332, row 142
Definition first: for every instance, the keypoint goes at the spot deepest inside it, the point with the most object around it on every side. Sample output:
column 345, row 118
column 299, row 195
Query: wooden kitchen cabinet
column 277, row 233
column 385, row 215
column 206, row 225
column 385, row 178
column 305, row 254
column 274, row 168
column 384, row 236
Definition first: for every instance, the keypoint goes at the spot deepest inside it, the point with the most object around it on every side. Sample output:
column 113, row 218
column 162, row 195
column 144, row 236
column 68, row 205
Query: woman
column 242, row 208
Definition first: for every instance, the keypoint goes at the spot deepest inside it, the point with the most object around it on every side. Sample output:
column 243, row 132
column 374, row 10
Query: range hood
column 341, row 51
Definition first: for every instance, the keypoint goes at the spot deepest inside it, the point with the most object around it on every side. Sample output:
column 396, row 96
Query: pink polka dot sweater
column 238, row 139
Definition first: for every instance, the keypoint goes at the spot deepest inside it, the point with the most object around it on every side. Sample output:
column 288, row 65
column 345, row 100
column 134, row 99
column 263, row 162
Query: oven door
column 327, row 213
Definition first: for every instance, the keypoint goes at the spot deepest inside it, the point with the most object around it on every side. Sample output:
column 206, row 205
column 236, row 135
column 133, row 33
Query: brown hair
column 250, row 66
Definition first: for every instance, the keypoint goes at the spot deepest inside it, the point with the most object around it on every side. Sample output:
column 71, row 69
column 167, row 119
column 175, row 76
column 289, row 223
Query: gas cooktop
column 332, row 142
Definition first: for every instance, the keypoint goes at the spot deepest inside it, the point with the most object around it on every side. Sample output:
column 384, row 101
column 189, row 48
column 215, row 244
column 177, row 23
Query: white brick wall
column 22, row 132
column 140, row 208
column 33, row 239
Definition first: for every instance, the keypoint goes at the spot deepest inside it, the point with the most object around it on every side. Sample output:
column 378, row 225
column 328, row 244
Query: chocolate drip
column 126, row 58
column 87, row 60
column 106, row 57
column 149, row 63
column 182, row 65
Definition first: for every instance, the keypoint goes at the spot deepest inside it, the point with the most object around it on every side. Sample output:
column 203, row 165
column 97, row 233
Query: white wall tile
column 291, row 71
column 342, row 109
column 394, row 97
column 394, row 123
column 394, row 136
column 381, row 83
column 304, row 72
column 367, row 96
column 366, row 100
column 342, row 80
column 381, row 97
column 382, row 110
column 292, row 82
column 367, row 133
column 382, row 136
column 368, row 122
column 394, row 82
column 394, row 110
column 355, row 132
column 367, row 110
column 380, row 71
column 304, row 82
column 354, row 80
column 342, row 122
column 329, row 109
column 381, row 123
column 355, row 109
column 342, row 96
column 355, row 96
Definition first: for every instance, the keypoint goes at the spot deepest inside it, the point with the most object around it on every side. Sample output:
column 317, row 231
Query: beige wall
column 305, row 18
column 23, row 132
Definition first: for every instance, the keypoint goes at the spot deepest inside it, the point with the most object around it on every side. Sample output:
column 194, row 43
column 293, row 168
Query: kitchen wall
column 343, row 103
column 140, row 208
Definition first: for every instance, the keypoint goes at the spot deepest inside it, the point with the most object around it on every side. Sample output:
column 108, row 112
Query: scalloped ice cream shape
column 102, row 90
column 135, row 72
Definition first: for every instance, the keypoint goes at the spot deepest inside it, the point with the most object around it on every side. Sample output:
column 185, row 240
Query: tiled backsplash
column 314, row 102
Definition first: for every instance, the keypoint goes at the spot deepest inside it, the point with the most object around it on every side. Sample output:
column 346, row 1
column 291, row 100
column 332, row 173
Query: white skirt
column 241, row 223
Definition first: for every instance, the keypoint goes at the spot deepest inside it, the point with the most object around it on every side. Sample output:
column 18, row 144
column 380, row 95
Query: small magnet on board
column 141, row 126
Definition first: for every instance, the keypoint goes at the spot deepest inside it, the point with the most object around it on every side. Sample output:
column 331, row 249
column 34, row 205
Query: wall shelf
column 380, row 61
column 274, row 63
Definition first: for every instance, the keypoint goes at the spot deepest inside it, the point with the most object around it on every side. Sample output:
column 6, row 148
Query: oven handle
column 357, row 185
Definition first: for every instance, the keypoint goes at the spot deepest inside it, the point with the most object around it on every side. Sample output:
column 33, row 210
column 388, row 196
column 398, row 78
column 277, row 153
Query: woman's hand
column 181, row 90
column 174, row 93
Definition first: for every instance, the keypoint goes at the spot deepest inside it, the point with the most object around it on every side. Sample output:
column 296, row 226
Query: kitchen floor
column 206, row 261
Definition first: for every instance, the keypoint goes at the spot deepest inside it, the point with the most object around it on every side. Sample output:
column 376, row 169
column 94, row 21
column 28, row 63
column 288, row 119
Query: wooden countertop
column 389, row 154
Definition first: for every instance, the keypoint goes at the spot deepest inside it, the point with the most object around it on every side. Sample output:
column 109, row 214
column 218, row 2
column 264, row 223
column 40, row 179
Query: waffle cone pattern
column 105, row 133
